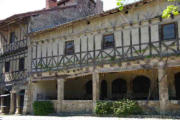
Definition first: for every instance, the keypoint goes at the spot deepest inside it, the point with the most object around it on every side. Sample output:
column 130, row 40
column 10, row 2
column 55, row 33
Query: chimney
column 99, row 6
column 51, row 4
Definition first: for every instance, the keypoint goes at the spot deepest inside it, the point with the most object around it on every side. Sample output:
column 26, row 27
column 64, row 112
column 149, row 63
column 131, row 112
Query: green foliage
column 168, row 12
column 118, row 108
column 43, row 107
column 126, row 107
column 104, row 108
column 120, row 4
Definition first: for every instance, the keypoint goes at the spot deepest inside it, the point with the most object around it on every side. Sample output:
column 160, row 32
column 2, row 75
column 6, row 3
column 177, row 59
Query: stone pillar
column 2, row 104
column 12, row 103
column 28, row 99
column 96, row 89
column 60, row 94
column 109, row 91
column 163, row 87
column 18, row 107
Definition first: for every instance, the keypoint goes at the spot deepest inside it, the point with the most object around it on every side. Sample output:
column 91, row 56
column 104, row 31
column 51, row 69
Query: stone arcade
column 74, row 57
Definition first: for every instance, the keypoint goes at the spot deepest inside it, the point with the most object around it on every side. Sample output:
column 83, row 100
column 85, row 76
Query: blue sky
column 11, row 7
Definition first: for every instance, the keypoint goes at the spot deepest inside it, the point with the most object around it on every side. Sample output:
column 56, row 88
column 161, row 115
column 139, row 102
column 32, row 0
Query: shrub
column 126, row 107
column 104, row 108
column 118, row 108
column 43, row 107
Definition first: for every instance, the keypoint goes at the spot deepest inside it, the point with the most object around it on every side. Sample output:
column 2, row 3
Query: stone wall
column 77, row 106
column 72, row 10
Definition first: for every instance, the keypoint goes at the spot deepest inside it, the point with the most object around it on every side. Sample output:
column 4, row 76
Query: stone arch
column 177, row 85
column 119, row 89
column 141, row 87
column 103, row 90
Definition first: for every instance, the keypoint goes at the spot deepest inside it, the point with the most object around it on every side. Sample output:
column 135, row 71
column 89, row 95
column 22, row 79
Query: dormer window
column 12, row 37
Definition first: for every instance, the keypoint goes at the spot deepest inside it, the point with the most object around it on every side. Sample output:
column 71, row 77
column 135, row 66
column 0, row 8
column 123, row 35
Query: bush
column 126, row 107
column 104, row 108
column 118, row 108
column 43, row 107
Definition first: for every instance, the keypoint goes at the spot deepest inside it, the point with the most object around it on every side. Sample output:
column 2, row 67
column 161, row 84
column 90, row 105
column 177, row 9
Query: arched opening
column 177, row 85
column 78, row 88
column 141, row 86
column 89, row 90
column 119, row 89
column 103, row 90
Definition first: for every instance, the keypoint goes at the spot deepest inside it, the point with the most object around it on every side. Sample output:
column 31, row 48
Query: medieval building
column 73, row 54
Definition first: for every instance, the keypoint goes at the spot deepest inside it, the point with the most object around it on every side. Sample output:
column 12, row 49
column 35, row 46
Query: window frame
column 10, row 39
column 65, row 48
column 22, row 69
column 162, row 31
column 9, row 64
column 103, row 42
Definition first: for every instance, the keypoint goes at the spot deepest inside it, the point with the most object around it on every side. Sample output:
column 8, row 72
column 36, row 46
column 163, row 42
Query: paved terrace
column 2, row 117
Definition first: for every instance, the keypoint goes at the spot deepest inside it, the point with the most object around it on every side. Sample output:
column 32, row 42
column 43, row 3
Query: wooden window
column 108, row 41
column 169, row 31
column 69, row 47
column 21, row 64
column 7, row 66
column 12, row 37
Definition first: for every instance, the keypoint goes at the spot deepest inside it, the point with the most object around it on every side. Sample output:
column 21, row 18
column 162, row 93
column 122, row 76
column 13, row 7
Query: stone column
column 18, row 107
column 2, row 104
column 60, row 94
column 28, row 99
column 12, row 103
column 109, row 91
column 96, row 89
column 163, row 87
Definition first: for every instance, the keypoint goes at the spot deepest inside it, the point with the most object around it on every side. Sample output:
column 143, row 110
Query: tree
column 168, row 12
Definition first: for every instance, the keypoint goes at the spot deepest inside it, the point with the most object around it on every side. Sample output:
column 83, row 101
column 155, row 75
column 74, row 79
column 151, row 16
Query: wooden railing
column 13, row 76
column 100, row 56
column 14, row 47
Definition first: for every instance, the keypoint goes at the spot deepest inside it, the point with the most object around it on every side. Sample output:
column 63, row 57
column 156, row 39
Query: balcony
column 14, row 47
column 107, row 56
column 13, row 76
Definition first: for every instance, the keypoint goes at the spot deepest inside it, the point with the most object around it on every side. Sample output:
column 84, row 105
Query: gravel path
column 70, row 118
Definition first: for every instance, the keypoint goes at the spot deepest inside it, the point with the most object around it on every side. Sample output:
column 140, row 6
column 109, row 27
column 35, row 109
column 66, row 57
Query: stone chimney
column 51, row 4
column 99, row 6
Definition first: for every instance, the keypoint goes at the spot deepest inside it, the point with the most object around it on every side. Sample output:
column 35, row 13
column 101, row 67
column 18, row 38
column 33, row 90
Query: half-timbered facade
column 77, row 59
column 110, row 56
column 15, row 53
column 13, row 62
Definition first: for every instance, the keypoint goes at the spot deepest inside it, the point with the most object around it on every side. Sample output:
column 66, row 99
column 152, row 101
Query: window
column 21, row 64
column 12, row 37
column 108, row 41
column 168, row 31
column 7, row 66
column 69, row 47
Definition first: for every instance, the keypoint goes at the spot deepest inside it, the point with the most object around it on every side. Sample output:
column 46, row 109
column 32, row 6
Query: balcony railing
column 14, row 47
column 13, row 76
column 114, row 55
